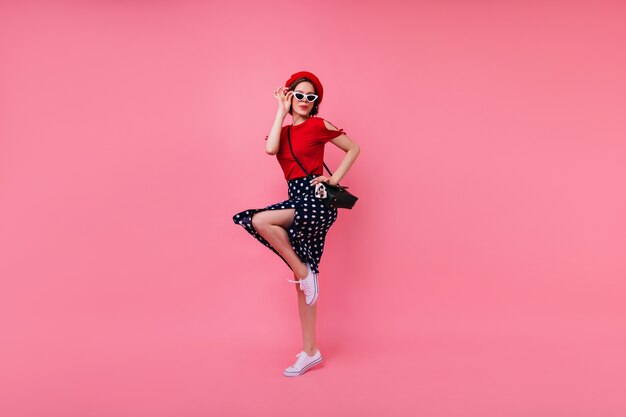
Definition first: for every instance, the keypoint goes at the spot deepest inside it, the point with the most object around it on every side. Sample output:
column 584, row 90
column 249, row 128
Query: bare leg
column 272, row 225
column 308, row 316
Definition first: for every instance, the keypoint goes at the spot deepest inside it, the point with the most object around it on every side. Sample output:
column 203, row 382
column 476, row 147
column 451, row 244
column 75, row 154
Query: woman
column 295, row 229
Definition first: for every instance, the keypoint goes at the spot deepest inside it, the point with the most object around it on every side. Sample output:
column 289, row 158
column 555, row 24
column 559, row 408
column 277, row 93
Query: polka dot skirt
column 311, row 221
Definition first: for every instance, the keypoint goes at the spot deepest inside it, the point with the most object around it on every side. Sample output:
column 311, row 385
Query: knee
column 258, row 222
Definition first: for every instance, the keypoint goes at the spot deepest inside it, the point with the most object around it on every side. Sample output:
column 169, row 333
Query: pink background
column 481, row 273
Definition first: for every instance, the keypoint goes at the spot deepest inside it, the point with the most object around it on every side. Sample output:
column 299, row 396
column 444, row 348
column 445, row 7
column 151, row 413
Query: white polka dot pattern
column 311, row 221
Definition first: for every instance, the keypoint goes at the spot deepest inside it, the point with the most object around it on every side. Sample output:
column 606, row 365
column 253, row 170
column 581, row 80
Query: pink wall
column 481, row 273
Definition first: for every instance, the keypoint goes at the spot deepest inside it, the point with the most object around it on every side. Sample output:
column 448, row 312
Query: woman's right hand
column 284, row 96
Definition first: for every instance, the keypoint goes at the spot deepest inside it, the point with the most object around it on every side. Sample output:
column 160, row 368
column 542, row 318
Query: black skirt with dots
column 311, row 221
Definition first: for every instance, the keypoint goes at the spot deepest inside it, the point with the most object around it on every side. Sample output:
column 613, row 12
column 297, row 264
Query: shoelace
column 302, row 356
column 303, row 286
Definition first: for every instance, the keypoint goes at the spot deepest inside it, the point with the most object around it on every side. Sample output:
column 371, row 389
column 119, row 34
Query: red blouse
column 307, row 140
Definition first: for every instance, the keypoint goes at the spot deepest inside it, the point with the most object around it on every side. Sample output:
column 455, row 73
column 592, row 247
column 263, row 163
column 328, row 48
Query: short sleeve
column 326, row 135
column 282, row 130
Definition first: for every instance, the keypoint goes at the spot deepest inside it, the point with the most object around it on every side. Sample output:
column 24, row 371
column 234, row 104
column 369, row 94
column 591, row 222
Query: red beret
column 316, row 82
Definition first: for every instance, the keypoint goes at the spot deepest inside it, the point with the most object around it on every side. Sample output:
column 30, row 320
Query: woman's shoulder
column 315, row 122
column 325, row 123
column 326, row 131
column 283, row 132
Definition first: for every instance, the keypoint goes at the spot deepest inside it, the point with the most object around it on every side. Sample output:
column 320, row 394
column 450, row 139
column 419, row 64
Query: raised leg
column 272, row 225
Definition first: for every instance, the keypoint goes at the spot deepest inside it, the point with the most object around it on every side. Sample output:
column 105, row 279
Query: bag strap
column 294, row 156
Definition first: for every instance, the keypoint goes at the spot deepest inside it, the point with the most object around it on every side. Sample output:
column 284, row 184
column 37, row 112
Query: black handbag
column 333, row 196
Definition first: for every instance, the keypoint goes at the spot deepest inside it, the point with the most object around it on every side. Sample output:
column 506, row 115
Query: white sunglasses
column 309, row 97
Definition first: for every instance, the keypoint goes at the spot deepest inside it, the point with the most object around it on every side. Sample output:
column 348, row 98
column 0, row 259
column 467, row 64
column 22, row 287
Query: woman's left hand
column 323, row 178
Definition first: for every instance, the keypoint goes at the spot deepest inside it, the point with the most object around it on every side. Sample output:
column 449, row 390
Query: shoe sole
column 316, row 290
column 303, row 370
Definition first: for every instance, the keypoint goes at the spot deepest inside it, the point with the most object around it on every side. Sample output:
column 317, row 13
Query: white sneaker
column 309, row 285
column 303, row 363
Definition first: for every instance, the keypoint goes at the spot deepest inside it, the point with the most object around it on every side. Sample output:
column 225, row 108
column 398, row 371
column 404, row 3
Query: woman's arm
column 273, row 139
column 352, row 150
